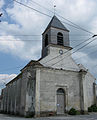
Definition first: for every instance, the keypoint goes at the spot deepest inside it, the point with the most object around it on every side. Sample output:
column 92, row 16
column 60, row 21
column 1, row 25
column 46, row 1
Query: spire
column 56, row 23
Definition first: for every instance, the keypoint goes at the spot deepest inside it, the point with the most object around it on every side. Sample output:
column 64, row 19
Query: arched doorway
column 60, row 101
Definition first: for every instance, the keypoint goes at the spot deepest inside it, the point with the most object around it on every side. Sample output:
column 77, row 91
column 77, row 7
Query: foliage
column 90, row 109
column 93, row 108
column 72, row 111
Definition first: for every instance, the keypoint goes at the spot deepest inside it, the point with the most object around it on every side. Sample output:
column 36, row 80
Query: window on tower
column 60, row 38
column 46, row 40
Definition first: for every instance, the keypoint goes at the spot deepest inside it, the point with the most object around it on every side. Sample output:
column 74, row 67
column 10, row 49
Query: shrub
column 93, row 108
column 90, row 109
column 72, row 111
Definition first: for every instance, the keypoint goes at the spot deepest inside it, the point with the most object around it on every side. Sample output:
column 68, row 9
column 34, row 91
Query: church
column 53, row 84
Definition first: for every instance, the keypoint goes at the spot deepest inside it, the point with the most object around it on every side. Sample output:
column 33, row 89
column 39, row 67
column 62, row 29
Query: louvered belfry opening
column 60, row 38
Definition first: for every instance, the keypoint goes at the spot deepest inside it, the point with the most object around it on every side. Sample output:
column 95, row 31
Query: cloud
column 15, row 46
column 78, row 11
column 89, row 62
column 12, row 44
column 94, row 25
column 18, row 45
column 1, row 3
column 25, row 21
column 5, row 78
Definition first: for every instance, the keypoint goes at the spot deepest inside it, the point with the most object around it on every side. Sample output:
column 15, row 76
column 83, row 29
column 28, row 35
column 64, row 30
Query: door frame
column 65, row 88
column 61, row 103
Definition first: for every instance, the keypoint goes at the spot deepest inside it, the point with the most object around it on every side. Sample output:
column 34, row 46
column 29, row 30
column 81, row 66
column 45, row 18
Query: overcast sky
column 21, row 29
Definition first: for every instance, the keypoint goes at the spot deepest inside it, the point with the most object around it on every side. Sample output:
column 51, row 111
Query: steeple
column 55, row 33
column 56, row 23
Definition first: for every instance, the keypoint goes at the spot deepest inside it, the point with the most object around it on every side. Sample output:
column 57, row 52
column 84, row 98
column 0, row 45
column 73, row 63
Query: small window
column 60, row 38
column 46, row 40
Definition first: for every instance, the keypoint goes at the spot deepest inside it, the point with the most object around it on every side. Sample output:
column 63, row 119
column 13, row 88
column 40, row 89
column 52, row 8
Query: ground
column 79, row 117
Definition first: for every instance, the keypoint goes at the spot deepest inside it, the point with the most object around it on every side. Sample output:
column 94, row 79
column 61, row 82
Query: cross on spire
column 54, row 9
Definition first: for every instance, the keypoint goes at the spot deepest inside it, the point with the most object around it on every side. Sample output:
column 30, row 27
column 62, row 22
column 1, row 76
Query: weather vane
column 54, row 9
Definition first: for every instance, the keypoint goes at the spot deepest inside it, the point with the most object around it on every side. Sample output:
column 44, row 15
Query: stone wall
column 88, row 90
column 18, row 97
column 50, row 80
column 11, row 97
column 33, row 92
column 55, row 60
column 30, row 80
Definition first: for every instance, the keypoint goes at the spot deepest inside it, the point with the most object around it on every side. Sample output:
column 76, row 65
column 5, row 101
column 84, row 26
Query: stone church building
column 53, row 84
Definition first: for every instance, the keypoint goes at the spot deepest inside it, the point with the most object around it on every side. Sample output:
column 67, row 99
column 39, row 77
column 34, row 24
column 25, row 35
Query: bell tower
column 55, row 33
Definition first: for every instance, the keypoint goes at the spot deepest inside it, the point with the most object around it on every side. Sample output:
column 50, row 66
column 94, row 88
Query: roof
column 31, row 63
column 56, row 23
column 17, row 77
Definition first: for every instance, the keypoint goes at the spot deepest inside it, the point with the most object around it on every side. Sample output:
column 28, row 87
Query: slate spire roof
column 56, row 23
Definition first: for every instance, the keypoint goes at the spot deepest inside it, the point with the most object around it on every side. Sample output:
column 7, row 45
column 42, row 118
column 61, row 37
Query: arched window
column 60, row 90
column 46, row 40
column 60, row 38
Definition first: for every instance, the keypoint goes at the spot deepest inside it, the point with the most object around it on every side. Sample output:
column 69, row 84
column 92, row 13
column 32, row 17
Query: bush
column 93, row 108
column 90, row 109
column 72, row 111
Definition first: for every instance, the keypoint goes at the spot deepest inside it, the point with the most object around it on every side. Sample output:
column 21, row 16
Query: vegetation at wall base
column 92, row 108
column 72, row 111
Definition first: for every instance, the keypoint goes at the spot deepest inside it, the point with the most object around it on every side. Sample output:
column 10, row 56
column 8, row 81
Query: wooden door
column 60, row 101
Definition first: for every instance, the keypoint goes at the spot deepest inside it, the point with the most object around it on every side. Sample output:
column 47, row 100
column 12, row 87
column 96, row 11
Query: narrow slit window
column 46, row 40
